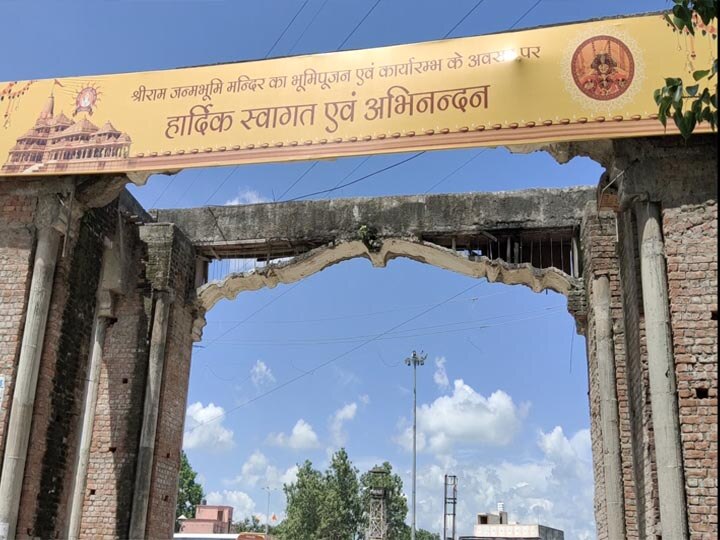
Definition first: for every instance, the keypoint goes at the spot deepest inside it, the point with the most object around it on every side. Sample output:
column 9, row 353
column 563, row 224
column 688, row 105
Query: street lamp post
column 415, row 360
column 267, row 514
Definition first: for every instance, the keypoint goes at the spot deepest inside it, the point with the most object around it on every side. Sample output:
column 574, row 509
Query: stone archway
column 139, row 316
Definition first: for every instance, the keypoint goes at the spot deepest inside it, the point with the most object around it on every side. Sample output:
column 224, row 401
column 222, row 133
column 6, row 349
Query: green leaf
column 677, row 97
column 690, row 122
column 700, row 74
column 692, row 90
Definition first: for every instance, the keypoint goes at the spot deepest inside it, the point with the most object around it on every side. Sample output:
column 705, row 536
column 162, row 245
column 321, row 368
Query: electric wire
column 287, row 27
column 456, row 170
column 536, row 4
column 419, row 331
column 251, row 315
column 358, row 25
column 364, row 315
column 463, row 18
column 302, row 34
column 303, row 175
column 235, row 168
column 330, row 190
column 331, row 360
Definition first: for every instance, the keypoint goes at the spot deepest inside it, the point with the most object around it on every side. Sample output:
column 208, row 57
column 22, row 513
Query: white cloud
column 364, row 399
column 465, row 417
column 257, row 471
column 554, row 488
column 204, row 429
column 261, row 374
column 302, row 437
column 440, row 376
column 242, row 503
column 342, row 415
column 247, row 196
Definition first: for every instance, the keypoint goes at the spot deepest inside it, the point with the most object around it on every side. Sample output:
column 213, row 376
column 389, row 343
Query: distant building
column 497, row 527
column 208, row 518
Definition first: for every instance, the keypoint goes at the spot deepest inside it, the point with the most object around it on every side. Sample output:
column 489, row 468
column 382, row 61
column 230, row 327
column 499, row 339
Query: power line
column 268, row 54
column 403, row 334
column 330, row 190
column 367, row 314
column 332, row 360
column 261, row 308
column 456, row 170
column 348, row 175
column 310, row 168
column 536, row 4
column 234, row 169
column 163, row 192
column 463, row 18
column 311, row 371
column 287, row 27
column 307, row 27
column 358, row 25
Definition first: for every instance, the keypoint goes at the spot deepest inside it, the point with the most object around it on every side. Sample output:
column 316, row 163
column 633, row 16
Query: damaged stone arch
column 526, row 237
column 320, row 258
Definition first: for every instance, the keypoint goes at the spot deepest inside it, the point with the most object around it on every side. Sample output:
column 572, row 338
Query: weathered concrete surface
column 308, row 224
column 320, row 258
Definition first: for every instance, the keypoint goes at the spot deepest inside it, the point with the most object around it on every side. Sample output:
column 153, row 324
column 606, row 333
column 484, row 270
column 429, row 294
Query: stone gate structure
column 102, row 300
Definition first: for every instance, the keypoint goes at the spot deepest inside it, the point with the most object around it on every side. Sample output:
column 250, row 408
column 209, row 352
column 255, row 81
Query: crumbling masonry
column 101, row 302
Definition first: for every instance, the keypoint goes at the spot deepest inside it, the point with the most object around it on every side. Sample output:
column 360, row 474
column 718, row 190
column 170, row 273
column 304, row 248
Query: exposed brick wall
column 170, row 266
column 643, row 451
column 61, row 381
column 682, row 179
column 16, row 260
column 599, row 241
column 691, row 250
column 118, row 413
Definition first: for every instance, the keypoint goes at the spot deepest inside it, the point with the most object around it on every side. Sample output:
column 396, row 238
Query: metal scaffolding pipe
column 18, row 433
column 661, row 373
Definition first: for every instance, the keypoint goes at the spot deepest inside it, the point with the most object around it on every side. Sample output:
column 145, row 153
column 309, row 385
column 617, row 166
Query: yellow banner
column 591, row 80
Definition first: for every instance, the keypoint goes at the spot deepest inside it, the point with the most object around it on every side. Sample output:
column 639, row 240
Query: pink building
column 208, row 519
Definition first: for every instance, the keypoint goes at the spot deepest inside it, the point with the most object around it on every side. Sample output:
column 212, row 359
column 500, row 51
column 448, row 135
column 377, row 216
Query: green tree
column 304, row 505
column 420, row 534
column 397, row 507
column 687, row 17
column 250, row 524
column 342, row 511
column 190, row 493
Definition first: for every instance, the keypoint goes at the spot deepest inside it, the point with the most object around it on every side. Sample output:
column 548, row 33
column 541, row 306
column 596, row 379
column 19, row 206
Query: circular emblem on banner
column 85, row 100
column 603, row 67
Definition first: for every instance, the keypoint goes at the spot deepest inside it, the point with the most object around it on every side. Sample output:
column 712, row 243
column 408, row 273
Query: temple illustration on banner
column 55, row 143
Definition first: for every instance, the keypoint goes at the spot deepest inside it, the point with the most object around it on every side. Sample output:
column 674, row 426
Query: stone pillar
column 146, row 452
column 661, row 371
column 609, row 416
column 13, row 466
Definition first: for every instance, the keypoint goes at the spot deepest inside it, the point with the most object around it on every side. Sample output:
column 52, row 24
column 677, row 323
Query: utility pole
column 415, row 360
column 267, row 514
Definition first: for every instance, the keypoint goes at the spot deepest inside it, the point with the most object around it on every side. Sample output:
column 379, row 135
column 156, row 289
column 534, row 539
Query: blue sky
column 503, row 396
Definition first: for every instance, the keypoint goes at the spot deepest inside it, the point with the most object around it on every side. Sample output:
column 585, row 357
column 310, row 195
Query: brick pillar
column 170, row 267
column 682, row 179
column 598, row 240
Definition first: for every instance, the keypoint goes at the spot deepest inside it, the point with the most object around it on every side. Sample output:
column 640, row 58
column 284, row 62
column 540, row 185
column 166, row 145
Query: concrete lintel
column 393, row 216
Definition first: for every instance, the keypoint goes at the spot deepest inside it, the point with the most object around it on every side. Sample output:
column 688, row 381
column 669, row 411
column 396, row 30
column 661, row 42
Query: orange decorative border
column 549, row 131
